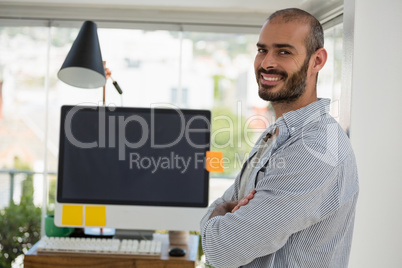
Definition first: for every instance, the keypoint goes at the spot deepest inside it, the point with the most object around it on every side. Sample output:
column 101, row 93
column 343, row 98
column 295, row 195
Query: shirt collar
column 297, row 119
column 290, row 122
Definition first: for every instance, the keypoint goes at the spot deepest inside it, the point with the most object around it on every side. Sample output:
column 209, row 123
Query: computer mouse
column 177, row 252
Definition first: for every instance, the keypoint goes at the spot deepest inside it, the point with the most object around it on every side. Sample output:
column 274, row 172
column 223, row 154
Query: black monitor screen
column 133, row 156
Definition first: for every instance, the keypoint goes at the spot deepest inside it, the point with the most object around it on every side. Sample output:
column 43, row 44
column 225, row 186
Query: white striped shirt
column 302, row 214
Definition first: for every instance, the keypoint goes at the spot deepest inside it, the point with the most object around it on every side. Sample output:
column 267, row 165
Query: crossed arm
column 231, row 206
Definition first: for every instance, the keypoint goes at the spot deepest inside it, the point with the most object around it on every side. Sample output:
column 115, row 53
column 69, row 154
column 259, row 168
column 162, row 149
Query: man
column 293, row 203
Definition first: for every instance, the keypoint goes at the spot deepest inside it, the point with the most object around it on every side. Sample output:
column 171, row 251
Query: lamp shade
column 83, row 66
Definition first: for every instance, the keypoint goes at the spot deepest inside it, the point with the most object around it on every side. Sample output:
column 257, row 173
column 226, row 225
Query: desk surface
column 43, row 260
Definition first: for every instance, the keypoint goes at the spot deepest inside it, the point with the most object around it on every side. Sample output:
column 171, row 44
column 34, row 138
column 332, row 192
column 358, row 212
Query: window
column 330, row 80
column 23, row 63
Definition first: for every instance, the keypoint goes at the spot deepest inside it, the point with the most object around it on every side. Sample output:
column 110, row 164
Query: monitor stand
column 99, row 232
column 134, row 234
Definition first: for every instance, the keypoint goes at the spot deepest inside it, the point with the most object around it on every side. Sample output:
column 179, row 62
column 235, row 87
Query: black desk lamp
column 83, row 66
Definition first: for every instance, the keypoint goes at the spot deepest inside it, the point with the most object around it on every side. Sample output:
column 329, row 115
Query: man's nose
column 269, row 61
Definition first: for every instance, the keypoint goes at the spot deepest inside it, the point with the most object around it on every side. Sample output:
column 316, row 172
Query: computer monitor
column 132, row 168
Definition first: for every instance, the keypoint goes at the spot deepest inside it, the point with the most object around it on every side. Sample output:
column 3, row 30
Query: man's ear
column 319, row 59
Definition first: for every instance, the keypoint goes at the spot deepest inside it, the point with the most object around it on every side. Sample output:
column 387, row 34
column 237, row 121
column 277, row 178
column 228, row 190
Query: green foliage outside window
column 19, row 224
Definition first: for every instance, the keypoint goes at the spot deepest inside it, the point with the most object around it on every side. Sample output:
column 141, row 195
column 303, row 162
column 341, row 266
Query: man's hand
column 244, row 200
column 223, row 208
column 226, row 207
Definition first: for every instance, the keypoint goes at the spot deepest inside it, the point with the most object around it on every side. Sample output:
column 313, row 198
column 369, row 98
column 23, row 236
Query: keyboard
column 99, row 246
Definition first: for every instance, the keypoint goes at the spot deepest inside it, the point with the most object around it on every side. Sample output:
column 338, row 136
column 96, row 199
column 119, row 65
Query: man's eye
column 284, row 52
column 261, row 50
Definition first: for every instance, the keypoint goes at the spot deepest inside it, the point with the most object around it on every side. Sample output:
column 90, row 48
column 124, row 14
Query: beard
column 295, row 85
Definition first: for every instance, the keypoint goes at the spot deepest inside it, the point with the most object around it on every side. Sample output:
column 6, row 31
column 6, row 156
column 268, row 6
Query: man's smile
column 270, row 79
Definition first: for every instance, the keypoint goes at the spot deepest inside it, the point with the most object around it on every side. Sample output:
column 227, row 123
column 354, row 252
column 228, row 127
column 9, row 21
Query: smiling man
column 299, row 213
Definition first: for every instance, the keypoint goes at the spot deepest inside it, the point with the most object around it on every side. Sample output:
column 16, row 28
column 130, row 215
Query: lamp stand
column 104, row 95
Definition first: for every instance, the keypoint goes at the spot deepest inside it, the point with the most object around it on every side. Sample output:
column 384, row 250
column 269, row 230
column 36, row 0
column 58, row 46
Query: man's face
column 281, row 63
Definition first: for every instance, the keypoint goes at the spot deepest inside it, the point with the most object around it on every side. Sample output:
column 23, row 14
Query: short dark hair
column 315, row 39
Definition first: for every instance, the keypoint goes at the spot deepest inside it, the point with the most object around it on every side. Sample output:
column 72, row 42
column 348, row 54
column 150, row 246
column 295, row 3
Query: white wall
column 376, row 131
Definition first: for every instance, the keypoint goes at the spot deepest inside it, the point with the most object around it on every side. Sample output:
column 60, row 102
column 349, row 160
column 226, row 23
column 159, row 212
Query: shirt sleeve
column 297, row 190
column 229, row 195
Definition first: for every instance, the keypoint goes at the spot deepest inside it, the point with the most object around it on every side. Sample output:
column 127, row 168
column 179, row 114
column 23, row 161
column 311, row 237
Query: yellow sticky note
column 72, row 215
column 214, row 161
column 95, row 216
